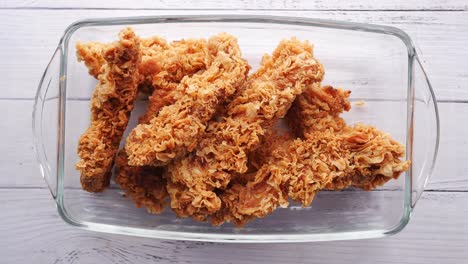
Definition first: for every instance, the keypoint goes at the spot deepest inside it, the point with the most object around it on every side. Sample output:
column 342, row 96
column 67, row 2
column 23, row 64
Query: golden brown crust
column 164, row 69
column 178, row 127
column 317, row 110
column 298, row 169
column 91, row 53
column 145, row 185
column 156, row 71
column 111, row 104
column 272, row 140
column 268, row 95
column 224, row 148
column 162, row 65
column 376, row 159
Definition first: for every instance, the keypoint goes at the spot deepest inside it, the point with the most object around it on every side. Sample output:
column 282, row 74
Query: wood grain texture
column 33, row 233
column 448, row 173
column 259, row 4
column 33, row 35
column 18, row 165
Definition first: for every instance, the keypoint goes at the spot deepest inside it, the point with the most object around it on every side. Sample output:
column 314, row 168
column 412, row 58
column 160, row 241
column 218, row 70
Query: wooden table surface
column 32, row 232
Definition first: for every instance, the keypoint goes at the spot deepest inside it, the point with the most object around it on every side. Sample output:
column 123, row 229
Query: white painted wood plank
column 449, row 172
column 32, row 232
column 33, row 35
column 259, row 4
column 18, row 165
column 19, row 168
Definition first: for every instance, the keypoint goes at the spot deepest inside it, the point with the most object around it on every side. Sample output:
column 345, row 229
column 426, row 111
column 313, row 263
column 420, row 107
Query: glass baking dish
column 378, row 64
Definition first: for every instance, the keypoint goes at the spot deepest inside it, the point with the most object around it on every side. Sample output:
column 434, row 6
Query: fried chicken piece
column 305, row 116
column 111, row 104
column 376, row 163
column 145, row 185
column 318, row 109
column 165, row 70
column 298, row 170
column 91, row 53
column 177, row 129
column 183, row 58
column 224, row 148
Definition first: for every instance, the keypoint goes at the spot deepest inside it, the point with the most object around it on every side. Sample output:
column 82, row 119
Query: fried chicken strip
column 145, row 185
column 111, row 104
column 91, row 53
column 378, row 160
column 178, row 128
column 300, row 169
column 162, row 65
column 165, row 69
column 308, row 120
column 224, row 148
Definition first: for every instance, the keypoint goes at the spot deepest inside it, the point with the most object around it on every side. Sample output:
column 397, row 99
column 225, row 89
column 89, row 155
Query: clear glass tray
column 379, row 64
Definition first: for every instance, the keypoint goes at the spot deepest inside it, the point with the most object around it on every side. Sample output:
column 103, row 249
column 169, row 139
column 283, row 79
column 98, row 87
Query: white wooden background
column 32, row 232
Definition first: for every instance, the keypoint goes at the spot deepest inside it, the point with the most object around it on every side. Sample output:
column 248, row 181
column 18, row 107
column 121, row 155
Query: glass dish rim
column 245, row 238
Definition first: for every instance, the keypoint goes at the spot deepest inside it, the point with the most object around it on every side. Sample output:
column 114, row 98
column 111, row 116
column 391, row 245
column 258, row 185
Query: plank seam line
column 239, row 9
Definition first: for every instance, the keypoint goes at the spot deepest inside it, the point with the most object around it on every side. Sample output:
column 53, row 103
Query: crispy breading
column 316, row 112
column 145, row 184
column 224, row 148
column 91, row 53
column 111, row 104
column 165, row 70
column 177, row 128
column 161, row 69
column 272, row 139
column 162, row 65
column 298, row 170
column 176, row 65
column 377, row 160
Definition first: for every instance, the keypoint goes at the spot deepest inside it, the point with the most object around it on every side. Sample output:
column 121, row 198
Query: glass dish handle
column 45, row 121
column 424, row 132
